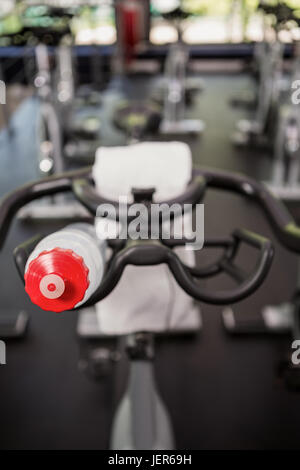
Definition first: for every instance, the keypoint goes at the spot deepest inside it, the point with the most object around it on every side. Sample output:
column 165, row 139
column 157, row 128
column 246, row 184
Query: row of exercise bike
column 140, row 288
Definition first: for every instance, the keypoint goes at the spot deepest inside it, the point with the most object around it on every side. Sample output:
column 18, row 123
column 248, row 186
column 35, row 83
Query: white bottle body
column 82, row 240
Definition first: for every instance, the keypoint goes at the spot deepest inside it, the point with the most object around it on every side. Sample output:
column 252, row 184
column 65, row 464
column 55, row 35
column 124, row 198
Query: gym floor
column 222, row 392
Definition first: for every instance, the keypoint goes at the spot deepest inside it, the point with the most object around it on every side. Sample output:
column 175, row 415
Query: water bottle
column 65, row 268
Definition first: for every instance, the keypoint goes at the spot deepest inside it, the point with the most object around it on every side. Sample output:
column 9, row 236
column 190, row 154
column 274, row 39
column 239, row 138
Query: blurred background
column 223, row 21
column 80, row 75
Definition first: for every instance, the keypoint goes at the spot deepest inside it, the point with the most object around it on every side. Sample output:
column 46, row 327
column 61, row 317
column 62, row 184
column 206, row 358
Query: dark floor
column 222, row 392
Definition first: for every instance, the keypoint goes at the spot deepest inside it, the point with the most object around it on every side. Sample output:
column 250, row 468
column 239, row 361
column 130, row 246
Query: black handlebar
column 282, row 12
column 13, row 201
column 92, row 200
column 283, row 224
column 150, row 252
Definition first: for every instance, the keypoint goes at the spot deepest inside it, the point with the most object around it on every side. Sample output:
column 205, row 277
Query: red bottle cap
column 57, row 280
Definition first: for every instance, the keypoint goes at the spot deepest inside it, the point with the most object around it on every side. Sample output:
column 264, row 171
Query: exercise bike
column 285, row 185
column 164, row 111
column 141, row 420
column 177, row 91
column 286, row 166
column 261, row 130
column 78, row 109
column 49, row 144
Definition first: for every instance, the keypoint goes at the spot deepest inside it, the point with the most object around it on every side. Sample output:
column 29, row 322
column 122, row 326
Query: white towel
column 146, row 298
column 167, row 166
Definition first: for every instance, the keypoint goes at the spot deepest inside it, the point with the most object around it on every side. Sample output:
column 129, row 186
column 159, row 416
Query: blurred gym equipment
column 49, row 144
column 176, row 90
column 260, row 131
column 285, row 185
column 285, row 182
column 111, row 81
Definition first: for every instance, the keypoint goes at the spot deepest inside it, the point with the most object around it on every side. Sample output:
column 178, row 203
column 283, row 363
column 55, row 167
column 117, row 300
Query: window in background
column 219, row 21
column 95, row 24
column 6, row 7
column 91, row 22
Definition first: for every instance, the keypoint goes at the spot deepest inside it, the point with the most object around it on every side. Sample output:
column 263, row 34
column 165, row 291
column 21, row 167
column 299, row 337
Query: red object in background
column 57, row 280
column 130, row 18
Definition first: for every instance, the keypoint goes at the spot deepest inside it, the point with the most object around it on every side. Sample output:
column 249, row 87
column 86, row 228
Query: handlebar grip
column 283, row 224
column 13, row 201
column 245, row 288
column 250, row 238
column 22, row 253
column 281, row 221
column 149, row 253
